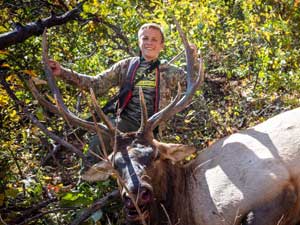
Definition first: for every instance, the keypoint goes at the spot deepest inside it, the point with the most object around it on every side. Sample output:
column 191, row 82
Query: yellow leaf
column 5, row 65
column 229, row 129
column 30, row 73
column 51, row 98
column 13, row 114
column 3, row 99
column 267, row 35
column 4, row 52
column 191, row 112
column 47, row 178
column 186, row 121
column 11, row 77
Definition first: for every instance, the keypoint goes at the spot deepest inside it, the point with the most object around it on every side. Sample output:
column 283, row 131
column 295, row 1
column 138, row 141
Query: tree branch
column 118, row 33
column 96, row 206
column 33, row 209
column 35, row 121
column 21, row 33
column 40, row 215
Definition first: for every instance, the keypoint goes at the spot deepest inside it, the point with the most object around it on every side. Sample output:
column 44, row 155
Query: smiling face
column 150, row 43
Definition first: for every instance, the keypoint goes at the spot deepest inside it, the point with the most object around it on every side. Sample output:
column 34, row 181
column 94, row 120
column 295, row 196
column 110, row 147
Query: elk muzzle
column 137, row 203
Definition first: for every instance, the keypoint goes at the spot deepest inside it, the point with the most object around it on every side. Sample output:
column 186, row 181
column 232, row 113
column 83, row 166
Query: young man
column 158, row 80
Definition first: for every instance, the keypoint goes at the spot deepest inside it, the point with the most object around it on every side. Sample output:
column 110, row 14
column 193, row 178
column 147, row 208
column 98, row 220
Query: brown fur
column 171, row 191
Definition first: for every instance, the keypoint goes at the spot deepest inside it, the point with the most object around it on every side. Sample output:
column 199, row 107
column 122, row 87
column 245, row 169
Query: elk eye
column 119, row 163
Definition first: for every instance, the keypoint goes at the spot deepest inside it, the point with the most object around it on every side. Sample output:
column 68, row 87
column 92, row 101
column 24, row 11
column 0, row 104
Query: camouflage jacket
column 115, row 76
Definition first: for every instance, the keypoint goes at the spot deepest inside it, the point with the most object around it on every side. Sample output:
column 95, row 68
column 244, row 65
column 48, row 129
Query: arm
column 101, row 83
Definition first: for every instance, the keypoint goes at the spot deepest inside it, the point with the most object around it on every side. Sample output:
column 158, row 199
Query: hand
column 194, row 49
column 55, row 67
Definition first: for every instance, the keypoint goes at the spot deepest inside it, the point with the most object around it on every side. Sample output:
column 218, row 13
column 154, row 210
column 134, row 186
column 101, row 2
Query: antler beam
column 68, row 115
column 178, row 104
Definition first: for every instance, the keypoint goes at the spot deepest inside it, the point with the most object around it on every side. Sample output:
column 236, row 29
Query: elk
column 251, row 177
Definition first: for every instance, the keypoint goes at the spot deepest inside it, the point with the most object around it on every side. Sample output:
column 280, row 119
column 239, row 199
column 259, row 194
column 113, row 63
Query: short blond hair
column 153, row 26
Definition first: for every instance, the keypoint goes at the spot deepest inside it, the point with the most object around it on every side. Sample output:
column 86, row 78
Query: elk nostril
column 128, row 203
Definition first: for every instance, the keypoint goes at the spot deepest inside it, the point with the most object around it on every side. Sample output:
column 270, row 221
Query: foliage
column 251, row 52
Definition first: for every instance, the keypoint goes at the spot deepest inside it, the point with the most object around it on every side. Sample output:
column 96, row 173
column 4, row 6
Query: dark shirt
column 147, row 81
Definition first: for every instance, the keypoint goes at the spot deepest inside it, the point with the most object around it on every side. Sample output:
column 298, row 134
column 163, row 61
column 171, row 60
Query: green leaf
column 72, row 196
column 75, row 199
column 40, row 114
column 12, row 192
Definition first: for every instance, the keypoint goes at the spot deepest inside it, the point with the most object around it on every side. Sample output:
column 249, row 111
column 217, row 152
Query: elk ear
column 174, row 152
column 98, row 172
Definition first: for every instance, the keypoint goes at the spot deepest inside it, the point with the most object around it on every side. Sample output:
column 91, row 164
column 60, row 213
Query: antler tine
column 101, row 114
column 37, row 95
column 54, row 109
column 68, row 115
column 144, row 113
column 178, row 104
column 188, row 53
column 166, row 112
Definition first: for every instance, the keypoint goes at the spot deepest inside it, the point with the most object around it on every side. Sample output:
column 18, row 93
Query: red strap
column 129, row 95
column 157, row 93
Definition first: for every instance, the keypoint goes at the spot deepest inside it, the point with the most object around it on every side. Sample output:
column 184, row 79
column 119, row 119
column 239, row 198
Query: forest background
column 251, row 54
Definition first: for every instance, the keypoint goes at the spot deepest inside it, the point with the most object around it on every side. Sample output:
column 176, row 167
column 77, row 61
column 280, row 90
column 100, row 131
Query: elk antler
column 144, row 113
column 63, row 110
column 101, row 114
column 41, row 99
column 178, row 104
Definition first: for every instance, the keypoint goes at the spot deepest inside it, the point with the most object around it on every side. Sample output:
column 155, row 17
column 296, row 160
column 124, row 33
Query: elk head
column 139, row 165
column 135, row 153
